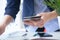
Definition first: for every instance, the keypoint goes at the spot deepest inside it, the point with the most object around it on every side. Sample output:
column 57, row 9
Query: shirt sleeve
column 12, row 7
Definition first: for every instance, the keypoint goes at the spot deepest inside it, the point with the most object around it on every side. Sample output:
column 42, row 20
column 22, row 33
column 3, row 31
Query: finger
column 40, row 24
column 29, row 23
column 34, row 23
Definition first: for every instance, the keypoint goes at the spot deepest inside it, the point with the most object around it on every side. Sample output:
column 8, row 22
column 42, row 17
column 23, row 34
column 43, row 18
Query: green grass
column 55, row 4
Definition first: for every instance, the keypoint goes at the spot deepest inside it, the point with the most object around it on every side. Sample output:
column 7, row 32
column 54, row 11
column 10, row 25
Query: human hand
column 45, row 17
column 32, row 20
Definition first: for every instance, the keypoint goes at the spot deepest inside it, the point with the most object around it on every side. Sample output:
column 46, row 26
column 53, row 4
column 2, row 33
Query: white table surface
column 27, row 35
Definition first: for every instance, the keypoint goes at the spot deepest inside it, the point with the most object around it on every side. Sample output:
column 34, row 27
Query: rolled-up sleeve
column 12, row 8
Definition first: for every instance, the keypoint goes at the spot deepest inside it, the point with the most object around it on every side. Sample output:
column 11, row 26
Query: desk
column 29, row 36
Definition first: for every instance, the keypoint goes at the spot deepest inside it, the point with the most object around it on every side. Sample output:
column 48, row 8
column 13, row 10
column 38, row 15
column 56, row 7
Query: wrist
column 53, row 15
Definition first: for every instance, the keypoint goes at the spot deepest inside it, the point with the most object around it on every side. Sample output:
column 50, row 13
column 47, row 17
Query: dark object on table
column 41, row 32
column 44, row 35
column 57, row 30
column 40, row 29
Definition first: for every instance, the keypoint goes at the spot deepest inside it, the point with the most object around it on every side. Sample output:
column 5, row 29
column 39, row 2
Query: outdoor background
column 14, row 26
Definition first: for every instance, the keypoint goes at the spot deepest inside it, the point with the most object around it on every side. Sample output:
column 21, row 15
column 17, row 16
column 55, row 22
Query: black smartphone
column 34, row 18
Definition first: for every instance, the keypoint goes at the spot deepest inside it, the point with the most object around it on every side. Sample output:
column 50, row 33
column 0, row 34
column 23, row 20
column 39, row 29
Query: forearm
column 7, row 19
column 53, row 15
